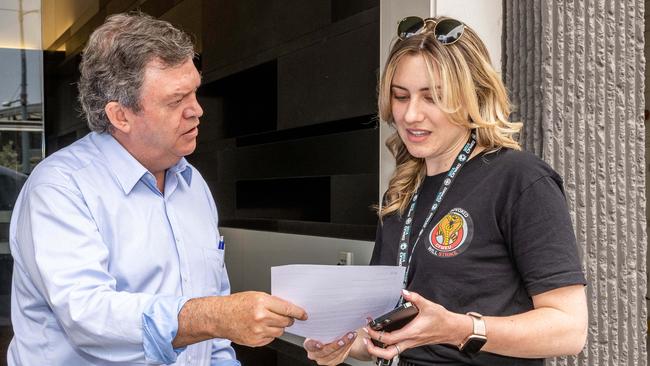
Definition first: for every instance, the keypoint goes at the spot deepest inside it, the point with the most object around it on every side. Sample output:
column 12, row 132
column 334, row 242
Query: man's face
column 166, row 127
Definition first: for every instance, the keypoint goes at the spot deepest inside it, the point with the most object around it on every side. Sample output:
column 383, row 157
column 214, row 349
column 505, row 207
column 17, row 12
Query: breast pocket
column 214, row 269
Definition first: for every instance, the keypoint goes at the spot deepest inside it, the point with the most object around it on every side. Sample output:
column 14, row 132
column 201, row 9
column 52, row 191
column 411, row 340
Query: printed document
column 338, row 299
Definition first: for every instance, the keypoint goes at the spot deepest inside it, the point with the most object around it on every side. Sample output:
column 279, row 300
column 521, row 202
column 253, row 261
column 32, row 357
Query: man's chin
column 188, row 149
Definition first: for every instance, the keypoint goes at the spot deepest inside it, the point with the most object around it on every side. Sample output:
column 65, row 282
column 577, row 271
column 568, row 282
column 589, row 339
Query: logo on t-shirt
column 452, row 234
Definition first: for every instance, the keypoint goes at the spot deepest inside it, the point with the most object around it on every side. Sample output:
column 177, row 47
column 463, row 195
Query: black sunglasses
column 447, row 30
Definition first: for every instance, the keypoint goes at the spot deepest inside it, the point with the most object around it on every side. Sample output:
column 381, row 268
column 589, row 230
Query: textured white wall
column 576, row 72
column 647, row 135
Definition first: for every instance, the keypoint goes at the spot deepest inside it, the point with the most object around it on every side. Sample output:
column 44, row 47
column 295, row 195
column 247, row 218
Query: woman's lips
column 417, row 135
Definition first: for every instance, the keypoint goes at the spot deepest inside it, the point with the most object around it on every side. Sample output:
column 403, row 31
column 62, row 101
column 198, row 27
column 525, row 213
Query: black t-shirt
column 501, row 235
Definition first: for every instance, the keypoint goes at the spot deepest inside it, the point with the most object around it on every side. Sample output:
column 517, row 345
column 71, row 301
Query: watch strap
column 478, row 324
column 479, row 333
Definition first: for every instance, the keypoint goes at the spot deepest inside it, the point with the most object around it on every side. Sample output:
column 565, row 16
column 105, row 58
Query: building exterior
column 314, row 153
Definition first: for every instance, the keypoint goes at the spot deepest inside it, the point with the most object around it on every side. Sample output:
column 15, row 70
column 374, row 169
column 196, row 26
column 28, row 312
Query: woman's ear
column 117, row 115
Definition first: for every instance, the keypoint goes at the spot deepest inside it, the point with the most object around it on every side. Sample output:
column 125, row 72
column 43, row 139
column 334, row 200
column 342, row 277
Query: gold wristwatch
column 475, row 341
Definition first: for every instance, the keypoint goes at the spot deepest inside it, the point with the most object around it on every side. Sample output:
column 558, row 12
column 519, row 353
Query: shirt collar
column 126, row 168
column 185, row 170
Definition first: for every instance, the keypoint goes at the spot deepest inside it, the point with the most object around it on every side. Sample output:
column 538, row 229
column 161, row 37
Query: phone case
column 395, row 319
column 392, row 320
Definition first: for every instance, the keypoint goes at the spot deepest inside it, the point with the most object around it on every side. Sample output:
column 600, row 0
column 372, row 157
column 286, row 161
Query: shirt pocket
column 214, row 269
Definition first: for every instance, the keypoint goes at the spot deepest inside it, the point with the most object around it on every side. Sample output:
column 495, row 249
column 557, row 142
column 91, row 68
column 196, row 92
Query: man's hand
column 256, row 318
column 248, row 318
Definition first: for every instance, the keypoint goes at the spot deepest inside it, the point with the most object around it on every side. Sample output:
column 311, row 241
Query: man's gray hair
column 114, row 60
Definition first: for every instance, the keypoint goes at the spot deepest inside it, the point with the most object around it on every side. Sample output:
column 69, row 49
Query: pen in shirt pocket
column 222, row 244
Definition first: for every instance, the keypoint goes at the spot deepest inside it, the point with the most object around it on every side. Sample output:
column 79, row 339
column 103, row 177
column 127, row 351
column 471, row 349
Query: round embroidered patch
column 452, row 234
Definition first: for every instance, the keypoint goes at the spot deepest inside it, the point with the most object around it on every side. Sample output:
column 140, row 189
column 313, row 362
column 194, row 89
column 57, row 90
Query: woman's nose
column 413, row 113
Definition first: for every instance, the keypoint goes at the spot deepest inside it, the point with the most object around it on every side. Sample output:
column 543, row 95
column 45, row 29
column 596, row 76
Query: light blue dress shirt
column 103, row 262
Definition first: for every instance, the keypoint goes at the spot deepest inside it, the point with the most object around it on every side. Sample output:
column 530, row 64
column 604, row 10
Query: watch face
column 474, row 344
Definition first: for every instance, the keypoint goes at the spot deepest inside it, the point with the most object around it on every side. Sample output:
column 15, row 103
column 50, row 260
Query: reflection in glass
column 21, row 124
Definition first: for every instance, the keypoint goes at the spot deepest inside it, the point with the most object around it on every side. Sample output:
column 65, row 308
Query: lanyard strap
column 404, row 259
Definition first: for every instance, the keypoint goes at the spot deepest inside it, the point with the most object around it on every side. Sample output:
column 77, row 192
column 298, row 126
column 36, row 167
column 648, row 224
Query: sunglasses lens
column 409, row 26
column 448, row 31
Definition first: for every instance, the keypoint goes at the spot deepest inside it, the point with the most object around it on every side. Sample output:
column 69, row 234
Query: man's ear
column 117, row 115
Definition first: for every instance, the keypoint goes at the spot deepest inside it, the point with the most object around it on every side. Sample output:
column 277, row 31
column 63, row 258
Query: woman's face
column 423, row 127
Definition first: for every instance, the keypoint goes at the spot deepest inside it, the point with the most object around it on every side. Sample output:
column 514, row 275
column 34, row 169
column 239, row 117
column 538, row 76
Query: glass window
column 21, row 124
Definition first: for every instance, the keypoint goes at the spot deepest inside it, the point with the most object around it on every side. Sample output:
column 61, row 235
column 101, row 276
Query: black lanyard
column 404, row 259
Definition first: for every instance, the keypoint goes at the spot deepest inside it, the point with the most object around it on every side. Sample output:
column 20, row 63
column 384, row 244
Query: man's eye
column 176, row 102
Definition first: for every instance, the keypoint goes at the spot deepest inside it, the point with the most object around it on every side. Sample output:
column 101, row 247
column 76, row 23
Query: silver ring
column 397, row 348
column 380, row 335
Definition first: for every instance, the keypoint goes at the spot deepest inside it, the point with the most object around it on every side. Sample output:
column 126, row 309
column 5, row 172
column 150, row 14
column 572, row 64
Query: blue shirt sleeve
column 160, row 326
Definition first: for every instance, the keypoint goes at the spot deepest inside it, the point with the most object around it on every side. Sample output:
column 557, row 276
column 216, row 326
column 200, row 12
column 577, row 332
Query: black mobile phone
column 392, row 320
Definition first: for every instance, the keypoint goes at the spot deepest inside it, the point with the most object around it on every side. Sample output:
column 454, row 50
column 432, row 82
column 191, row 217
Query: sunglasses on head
column 447, row 30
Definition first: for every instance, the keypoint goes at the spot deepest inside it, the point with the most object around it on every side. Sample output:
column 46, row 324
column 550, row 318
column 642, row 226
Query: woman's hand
column 433, row 325
column 332, row 353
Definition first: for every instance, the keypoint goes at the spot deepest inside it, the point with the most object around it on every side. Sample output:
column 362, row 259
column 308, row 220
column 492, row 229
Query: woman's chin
column 419, row 153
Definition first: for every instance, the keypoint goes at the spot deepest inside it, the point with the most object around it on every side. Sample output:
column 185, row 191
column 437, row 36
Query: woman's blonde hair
column 471, row 94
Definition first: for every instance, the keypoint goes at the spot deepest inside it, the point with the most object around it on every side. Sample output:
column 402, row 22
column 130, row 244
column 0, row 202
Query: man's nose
column 194, row 110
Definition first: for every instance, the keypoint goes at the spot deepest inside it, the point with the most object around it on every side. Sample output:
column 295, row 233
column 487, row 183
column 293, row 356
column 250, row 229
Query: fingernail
column 319, row 346
column 350, row 335
column 365, row 330
column 365, row 341
column 340, row 343
column 406, row 293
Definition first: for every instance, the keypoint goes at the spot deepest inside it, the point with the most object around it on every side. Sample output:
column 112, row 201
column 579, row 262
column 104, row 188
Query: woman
column 482, row 228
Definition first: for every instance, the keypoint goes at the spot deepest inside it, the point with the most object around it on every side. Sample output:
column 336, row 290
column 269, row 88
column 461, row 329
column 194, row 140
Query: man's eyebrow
column 182, row 94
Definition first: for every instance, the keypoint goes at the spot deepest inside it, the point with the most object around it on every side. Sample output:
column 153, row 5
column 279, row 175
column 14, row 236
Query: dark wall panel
column 289, row 141
column 330, row 80
column 352, row 198
column 243, row 103
column 63, row 121
column 336, row 154
column 234, row 30
column 342, row 9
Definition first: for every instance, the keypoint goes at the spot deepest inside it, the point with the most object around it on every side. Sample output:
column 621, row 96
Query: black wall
column 289, row 139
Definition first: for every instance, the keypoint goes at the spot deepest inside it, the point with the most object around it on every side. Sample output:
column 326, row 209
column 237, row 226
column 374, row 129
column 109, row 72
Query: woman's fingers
column 312, row 345
column 332, row 353
column 387, row 353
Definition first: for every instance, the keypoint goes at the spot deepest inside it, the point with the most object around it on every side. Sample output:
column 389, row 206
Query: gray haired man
column 115, row 238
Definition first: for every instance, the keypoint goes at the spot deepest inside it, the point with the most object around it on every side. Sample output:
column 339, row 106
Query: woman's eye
column 401, row 97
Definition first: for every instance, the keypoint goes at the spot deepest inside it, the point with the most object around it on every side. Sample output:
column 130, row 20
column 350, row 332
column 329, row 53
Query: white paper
column 338, row 299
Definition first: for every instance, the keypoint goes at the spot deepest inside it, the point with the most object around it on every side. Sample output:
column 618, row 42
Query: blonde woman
column 482, row 228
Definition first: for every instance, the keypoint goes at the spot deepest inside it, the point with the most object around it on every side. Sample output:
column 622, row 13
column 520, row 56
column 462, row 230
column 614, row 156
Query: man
column 115, row 238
